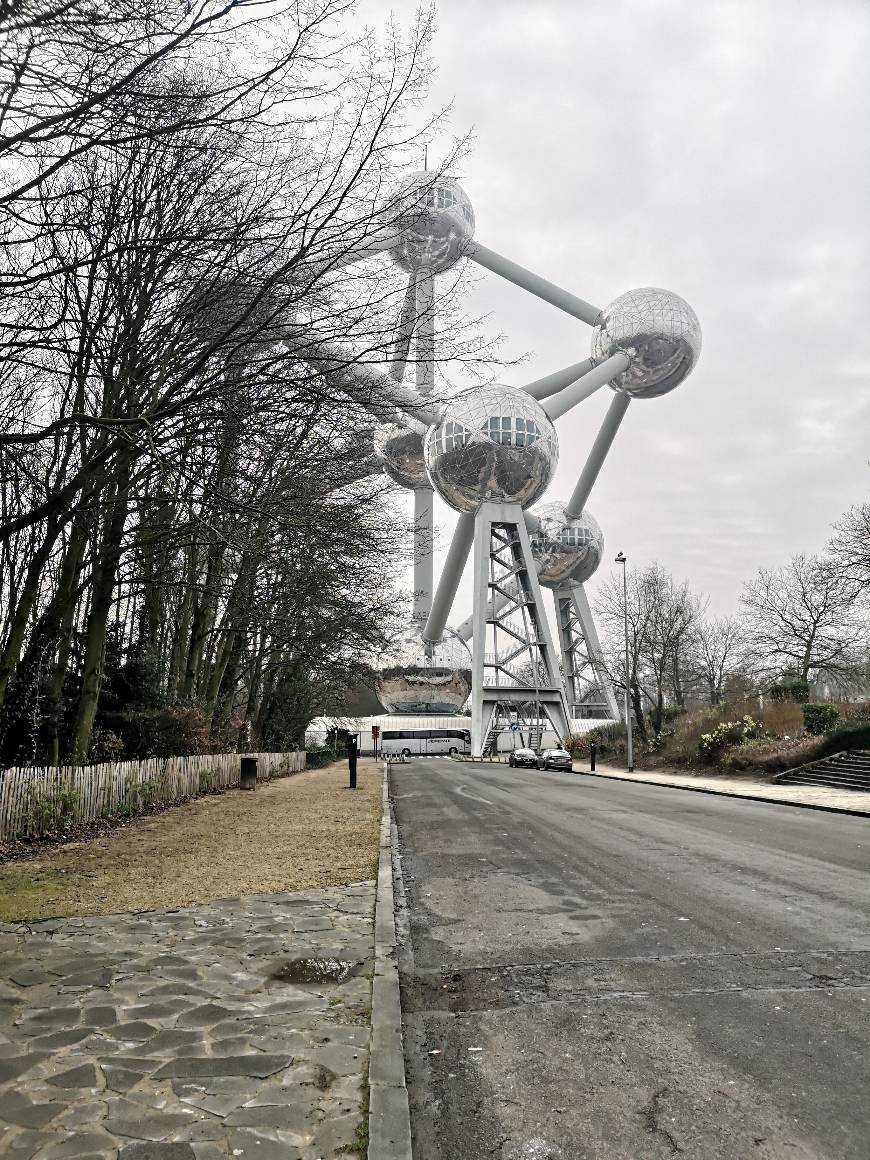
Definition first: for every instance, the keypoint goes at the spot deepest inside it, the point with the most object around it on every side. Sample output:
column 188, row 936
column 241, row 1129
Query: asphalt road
column 601, row 969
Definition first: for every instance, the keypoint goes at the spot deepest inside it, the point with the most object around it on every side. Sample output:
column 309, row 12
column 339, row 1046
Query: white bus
column 419, row 734
column 413, row 742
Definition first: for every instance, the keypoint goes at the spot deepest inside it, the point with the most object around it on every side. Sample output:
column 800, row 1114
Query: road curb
column 389, row 1116
column 749, row 797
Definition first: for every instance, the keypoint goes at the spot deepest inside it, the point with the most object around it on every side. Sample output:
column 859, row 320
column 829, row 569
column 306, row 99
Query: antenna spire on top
column 425, row 158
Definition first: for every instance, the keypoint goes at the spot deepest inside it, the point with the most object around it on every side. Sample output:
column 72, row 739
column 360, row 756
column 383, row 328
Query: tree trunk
column 26, row 600
column 679, row 692
column 181, row 638
column 226, row 692
column 637, row 705
column 103, row 580
column 56, row 631
column 657, row 714
column 201, row 625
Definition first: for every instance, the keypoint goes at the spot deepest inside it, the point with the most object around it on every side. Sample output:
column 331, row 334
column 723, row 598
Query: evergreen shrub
column 791, row 689
column 819, row 718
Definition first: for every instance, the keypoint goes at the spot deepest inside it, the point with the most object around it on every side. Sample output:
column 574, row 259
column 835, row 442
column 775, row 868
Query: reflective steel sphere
column 400, row 451
column 415, row 678
column 565, row 549
column 434, row 218
column 660, row 333
column 491, row 443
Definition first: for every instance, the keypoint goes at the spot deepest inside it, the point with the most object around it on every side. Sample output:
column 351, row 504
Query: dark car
column 526, row 757
column 555, row 759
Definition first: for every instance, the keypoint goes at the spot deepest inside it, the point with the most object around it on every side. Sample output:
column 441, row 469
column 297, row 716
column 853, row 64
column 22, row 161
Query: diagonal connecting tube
column 365, row 384
column 559, row 380
column 603, row 440
column 533, row 283
column 375, row 243
column 451, row 574
column 582, row 388
column 404, row 332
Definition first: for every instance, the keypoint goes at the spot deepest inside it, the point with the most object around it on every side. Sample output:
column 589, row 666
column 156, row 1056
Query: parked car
column 526, row 757
column 555, row 759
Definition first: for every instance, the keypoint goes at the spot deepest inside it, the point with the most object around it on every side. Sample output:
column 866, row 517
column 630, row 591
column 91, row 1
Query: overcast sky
column 718, row 150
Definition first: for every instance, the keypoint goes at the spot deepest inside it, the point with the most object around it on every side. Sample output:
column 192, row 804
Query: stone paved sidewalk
column 823, row 797
column 186, row 1033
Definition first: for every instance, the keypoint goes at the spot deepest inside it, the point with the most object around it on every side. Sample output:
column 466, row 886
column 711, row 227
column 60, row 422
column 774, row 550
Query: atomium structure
column 490, row 454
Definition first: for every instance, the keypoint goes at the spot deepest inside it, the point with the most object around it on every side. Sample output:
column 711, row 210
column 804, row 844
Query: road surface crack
column 652, row 1117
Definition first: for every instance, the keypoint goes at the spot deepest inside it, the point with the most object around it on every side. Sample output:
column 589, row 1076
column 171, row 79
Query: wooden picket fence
column 39, row 800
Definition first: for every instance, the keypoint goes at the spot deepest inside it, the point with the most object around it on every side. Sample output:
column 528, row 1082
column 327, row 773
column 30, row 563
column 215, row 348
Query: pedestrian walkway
column 236, row 1028
column 810, row 796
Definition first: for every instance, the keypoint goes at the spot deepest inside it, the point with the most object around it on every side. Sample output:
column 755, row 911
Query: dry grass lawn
column 307, row 830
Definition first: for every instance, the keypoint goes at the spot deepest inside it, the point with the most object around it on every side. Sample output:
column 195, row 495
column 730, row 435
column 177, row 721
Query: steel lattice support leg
column 524, row 671
column 580, row 646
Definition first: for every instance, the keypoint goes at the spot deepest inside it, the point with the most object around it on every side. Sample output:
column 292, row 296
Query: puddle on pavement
column 313, row 970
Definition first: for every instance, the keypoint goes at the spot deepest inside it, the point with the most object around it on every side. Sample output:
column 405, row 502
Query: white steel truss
column 519, row 672
column 581, row 651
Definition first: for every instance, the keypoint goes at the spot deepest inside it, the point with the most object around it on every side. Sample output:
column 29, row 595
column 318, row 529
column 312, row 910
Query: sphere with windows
column 433, row 218
column 491, row 443
column 400, row 452
column 416, row 677
column 565, row 549
column 660, row 333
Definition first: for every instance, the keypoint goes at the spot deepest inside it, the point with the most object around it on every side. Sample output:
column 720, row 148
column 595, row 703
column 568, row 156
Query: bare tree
column 849, row 547
column 75, row 74
column 716, row 651
column 661, row 617
column 185, row 528
column 803, row 618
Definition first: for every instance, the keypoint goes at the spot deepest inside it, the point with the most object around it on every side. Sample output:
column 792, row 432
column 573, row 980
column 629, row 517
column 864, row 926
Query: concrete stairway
column 847, row 770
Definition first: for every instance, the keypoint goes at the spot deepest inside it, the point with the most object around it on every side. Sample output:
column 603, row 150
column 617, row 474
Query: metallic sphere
column 660, row 333
column 400, row 452
column 434, row 218
column 416, row 678
column 491, row 443
column 565, row 549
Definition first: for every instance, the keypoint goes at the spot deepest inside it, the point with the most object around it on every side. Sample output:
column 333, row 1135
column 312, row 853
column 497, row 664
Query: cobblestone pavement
column 186, row 1033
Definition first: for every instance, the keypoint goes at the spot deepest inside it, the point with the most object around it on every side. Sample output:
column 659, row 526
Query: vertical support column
column 425, row 331
column 423, row 563
column 480, row 612
column 423, row 513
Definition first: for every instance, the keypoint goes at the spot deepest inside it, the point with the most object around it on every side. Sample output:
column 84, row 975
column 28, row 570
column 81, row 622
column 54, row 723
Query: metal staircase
column 847, row 770
column 490, row 743
column 536, row 736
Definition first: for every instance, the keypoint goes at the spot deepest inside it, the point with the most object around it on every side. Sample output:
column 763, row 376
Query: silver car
column 555, row 759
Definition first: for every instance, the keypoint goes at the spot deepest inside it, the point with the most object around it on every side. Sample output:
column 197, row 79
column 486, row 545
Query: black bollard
column 248, row 773
column 351, row 761
column 592, row 756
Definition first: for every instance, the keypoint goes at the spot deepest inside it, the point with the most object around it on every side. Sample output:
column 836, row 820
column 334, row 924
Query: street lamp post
column 622, row 559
